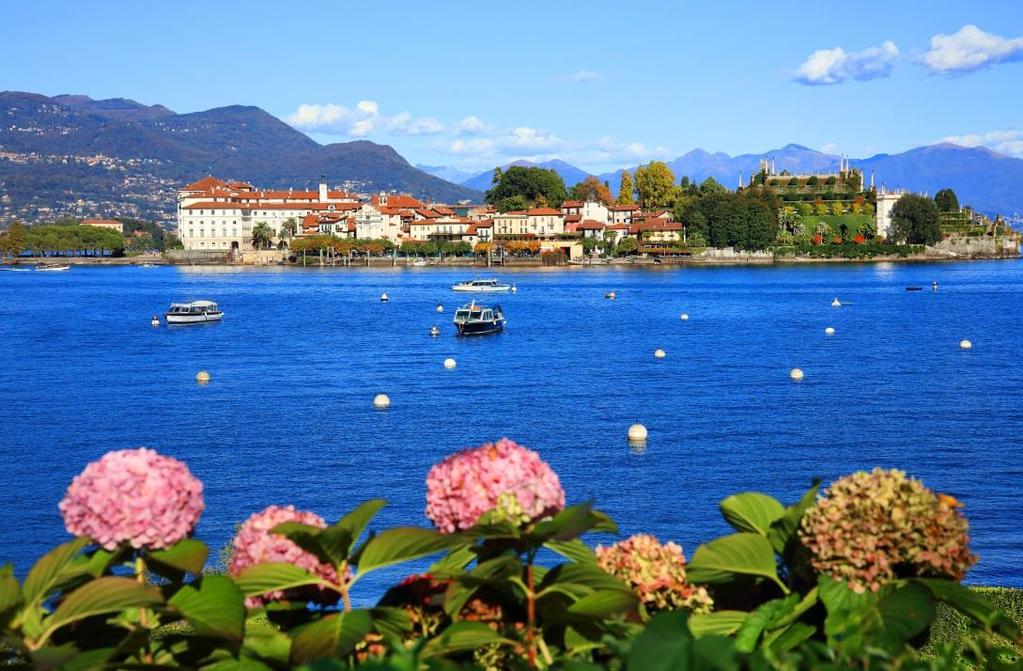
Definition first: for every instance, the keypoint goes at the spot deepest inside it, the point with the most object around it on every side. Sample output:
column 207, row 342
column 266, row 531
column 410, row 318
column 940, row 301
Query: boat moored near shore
column 485, row 286
column 53, row 267
column 196, row 312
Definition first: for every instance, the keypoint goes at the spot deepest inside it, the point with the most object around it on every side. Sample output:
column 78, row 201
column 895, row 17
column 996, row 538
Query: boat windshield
column 461, row 314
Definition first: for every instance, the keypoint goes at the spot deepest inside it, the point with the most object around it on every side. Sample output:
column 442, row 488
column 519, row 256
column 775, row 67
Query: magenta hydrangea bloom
column 257, row 544
column 137, row 497
column 496, row 475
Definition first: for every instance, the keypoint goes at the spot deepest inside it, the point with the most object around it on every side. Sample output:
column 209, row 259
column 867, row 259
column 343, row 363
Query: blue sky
column 600, row 84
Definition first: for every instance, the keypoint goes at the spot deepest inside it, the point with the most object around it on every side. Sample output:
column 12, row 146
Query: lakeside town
column 530, row 217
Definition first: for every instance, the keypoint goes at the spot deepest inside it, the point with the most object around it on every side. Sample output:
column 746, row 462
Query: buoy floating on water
column 637, row 433
column 796, row 374
column 965, row 344
column 381, row 401
column 610, row 295
column 515, row 289
column 450, row 363
column 384, row 298
column 440, row 308
column 659, row 354
column 684, row 317
column 830, row 330
column 155, row 321
column 202, row 377
column 836, row 303
column 434, row 331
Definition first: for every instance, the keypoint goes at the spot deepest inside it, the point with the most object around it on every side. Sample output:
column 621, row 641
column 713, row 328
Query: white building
column 883, row 209
column 217, row 215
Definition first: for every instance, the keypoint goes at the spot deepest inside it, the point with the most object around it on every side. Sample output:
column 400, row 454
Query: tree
column 946, row 201
column 591, row 189
column 915, row 220
column 836, row 208
column 262, row 236
column 627, row 246
column 711, row 186
column 625, row 189
column 813, row 181
column 654, row 182
column 288, row 229
column 14, row 241
column 530, row 183
column 513, row 203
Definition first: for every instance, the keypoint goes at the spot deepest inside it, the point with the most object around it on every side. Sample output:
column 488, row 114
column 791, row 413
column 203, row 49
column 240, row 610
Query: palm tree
column 288, row 230
column 262, row 236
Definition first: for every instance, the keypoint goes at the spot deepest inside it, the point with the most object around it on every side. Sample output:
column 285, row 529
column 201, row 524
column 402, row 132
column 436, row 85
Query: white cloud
column 1003, row 141
column 829, row 148
column 970, row 49
column 471, row 125
column 580, row 76
column 529, row 139
column 834, row 66
column 362, row 120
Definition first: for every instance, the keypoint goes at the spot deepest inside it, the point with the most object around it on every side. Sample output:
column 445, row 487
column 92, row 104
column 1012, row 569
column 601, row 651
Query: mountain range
column 984, row 179
column 71, row 154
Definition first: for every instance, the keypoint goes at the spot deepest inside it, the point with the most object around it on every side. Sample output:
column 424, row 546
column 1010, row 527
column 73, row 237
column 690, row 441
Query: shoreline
column 384, row 262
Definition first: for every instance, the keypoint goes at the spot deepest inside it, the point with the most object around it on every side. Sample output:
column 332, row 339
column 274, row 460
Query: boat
column 147, row 265
column 419, row 264
column 486, row 286
column 914, row 288
column 52, row 267
column 475, row 319
column 196, row 312
column 836, row 303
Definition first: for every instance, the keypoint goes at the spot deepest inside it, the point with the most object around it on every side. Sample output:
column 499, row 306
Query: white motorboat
column 196, row 312
column 53, row 267
column 485, row 286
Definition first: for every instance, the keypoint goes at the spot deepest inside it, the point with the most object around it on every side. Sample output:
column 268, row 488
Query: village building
column 109, row 224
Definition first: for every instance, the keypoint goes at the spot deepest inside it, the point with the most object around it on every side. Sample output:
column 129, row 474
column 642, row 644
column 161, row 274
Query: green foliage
column 946, row 201
column 915, row 220
column 529, row 185
column 745, row 220
column 625, row 189
column 262, row 235
column 65, row 239
column 654, row 182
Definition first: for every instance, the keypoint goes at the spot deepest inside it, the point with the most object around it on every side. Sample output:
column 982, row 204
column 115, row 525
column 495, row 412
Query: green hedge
column 952, row 628
column 847, row 250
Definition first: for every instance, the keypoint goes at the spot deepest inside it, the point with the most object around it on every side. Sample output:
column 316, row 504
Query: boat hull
column 480, row 328
column 193, row 319
column 481, row 290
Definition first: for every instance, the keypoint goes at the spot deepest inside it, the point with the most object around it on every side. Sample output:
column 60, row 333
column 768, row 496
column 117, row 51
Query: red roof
column 204, row 184
column 101, row 222
column 471, row 230
column 212, row 205
column 542, row 212
column 423, row 212
column 571, row 203
column 573, row 218
column 590, row 225
column 624, row 208
column 486, row 223
column 398, row 200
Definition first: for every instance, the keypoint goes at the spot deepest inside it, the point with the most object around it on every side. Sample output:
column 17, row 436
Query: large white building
column 217, row 215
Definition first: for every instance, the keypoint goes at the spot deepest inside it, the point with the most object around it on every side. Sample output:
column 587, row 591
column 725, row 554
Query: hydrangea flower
column 868, row 528
column 656, row 573
column 497, row 475
column 257, row 544
column 138, row 497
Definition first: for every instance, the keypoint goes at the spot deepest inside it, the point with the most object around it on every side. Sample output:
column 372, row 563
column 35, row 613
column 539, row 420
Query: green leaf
column 305, row 536
column 263, row 578
column 720, row 622
column 10, row 591
column 240, row 664
column 664, row 645
column 216, row 609
column 762, row 618
column 188, row 555
column 47, row 572
column 332, row 636
column 266, row 641
column 104, row 595
column 783, row 530
column 590, row 576
column 391, row 622
column 567, row 524
column 907, row 611
column 402, row 544
column 462, row 636
column 604, row 603
column 790, row 637
column 452, row 563
column 574, row 549
column 465, row 585
column 356, row 521
column 972, row 604
column 751, row 511
column 742, row 553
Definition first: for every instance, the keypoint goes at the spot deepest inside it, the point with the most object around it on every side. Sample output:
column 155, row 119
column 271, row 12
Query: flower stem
column 343, row 584
column 140, row 576
column 530, row 614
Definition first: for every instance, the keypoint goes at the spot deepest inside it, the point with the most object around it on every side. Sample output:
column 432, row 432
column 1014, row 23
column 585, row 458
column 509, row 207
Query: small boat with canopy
column 196, row 312
column 475, row 319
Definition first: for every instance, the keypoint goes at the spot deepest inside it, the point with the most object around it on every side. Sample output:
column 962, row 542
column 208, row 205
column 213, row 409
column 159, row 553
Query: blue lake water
column 288, row 417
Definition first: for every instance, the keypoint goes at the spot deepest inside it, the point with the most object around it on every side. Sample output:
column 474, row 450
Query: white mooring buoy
column 684, row 316
column 155, row 321
column 440, row 308
column 610, row 295
column 381, row 401
column 830, row 330
column 796, row 374
column 384, row 298
column 836, row 303
column 965, row 344
column 434, row 331
column 659, row 354
column 637, row 433
column 202, row 377
column 450, row 363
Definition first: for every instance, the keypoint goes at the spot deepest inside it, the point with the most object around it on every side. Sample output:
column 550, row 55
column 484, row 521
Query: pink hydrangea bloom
column 257, row 544
column 655, row 572
column 137, row 497
column 471, row 482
